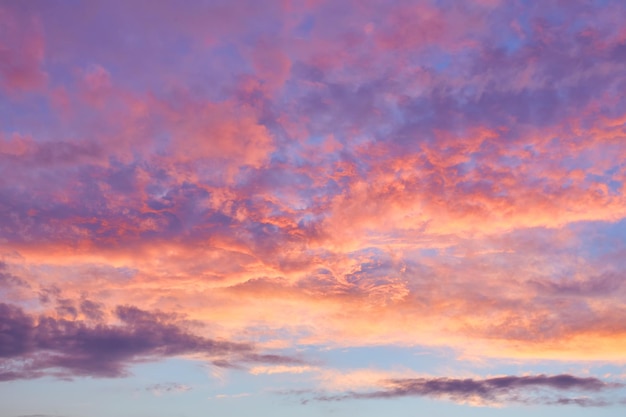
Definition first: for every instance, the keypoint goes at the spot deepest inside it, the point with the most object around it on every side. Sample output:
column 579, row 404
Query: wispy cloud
column 226, row 396
column 167, row 387
column 517, row 389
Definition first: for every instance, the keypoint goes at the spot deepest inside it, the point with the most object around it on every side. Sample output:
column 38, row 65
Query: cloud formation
column 521, row 389
column 167, row 387
column 33, row 347
column 238, row 183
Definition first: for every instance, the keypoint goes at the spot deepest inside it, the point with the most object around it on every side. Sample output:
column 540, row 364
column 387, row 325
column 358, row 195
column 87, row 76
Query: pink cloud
column 330, row 173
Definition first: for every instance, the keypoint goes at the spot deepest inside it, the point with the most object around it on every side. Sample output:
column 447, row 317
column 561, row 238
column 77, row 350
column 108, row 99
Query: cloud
column 33, row 347
column 281, row 369
column 606, row 284
column 167, row 388
column 225, row 396
column 520, row 389
column 8, row 280
column 329, row 173
column 272, row 359
column 579, row 401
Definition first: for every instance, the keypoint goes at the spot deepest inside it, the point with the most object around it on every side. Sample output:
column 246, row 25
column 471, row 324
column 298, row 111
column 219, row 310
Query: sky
column 312, row 207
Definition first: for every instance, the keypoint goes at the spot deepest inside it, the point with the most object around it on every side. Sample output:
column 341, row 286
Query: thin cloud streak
column 490, row 390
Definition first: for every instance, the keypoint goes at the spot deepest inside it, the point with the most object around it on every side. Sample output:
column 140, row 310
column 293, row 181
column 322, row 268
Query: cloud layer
column 237, row 183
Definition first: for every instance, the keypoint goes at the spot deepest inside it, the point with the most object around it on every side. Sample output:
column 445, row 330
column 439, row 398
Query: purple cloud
column 518, row 389
column 603, row 285
column 9, row 280
column 386, row 171
column 32, row 347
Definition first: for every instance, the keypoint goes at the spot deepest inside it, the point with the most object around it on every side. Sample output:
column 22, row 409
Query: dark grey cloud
column 32, row 347
column 519, row 389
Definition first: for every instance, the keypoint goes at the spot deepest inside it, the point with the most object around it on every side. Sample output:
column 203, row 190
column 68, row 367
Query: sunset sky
column 353, row 208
